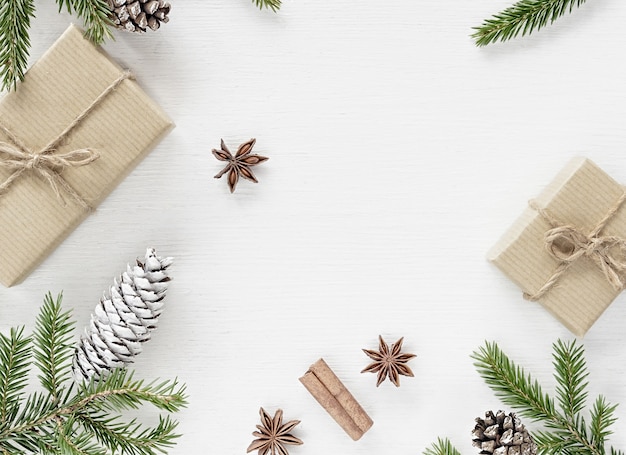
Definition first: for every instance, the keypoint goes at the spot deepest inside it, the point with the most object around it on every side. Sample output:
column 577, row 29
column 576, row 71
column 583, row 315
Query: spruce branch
column 15, row 354
column 512, row 385
column 570, row 374
column 274, row 5
column 15, row 17
column 53, row 345
column 83, row 419
column 567, row 431
column 95, row 14
column 523, row 17
column 442, row 446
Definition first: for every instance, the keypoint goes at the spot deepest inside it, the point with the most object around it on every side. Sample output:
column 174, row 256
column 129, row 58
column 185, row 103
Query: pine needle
column 523, row 18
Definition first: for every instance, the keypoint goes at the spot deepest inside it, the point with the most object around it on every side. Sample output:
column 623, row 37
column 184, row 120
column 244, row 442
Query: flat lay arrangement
column 330, row 228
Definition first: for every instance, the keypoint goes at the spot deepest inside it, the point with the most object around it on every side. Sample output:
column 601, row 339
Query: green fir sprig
column 15, row 17
column 568, row 429
column 523, row 17
column 69, row 418
column 95, row 14
column 274, row 5
column 443, row 446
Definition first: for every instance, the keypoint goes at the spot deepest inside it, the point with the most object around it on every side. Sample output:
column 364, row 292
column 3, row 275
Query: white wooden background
column 399, row 153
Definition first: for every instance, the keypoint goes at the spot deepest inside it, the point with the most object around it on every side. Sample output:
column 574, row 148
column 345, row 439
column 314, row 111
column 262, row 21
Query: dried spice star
column 240, row 164
column 273, row 435
column 388, row 362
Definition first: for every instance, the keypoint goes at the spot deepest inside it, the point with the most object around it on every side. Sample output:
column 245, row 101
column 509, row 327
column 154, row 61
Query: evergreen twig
column 274, row 5
column 443, row 446
column 523, row 17
column 75, row 420
column 15, row 17
column 567, row 430
column 95, row 14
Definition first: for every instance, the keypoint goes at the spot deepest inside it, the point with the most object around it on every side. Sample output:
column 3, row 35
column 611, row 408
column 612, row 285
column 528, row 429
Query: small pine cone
column 123, row 321
column 502, row 434
column 139, row 15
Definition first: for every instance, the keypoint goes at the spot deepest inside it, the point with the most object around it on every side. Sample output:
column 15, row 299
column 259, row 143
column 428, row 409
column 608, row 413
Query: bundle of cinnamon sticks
column 330, row 392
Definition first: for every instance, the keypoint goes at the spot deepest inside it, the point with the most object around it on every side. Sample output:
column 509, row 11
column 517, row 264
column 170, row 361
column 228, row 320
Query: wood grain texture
column 399, row 153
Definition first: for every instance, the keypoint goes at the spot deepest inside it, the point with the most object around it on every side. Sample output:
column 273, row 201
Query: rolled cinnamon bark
column 330, row 392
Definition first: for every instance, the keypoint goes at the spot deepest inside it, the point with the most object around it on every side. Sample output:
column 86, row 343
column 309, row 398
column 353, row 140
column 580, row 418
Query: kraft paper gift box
column 69, row 133
column 567, row 250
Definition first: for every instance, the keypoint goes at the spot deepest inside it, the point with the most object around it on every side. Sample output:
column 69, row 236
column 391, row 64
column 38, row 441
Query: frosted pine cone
column 139, row 15
column 502, row 434
column 125, row 320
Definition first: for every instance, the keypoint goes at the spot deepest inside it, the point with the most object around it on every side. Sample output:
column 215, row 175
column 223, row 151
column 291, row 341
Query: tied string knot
column 18, row 158
column 568, row 244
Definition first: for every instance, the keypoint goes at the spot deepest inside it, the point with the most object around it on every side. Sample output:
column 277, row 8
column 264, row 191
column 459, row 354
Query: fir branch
column 512, row 385
column 95, row 14
column 120, row 391
column 602, row 417
column 15, row 17
column 53, row 348
column 523, row 17
column 130, row 438
column 570, row 374
column 441, row 447
column 83, row 420
column 274, row 5
column 14, row 365
column 568, row 432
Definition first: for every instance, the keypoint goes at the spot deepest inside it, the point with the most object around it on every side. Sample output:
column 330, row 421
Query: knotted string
column 568, row 244
column 17, row 157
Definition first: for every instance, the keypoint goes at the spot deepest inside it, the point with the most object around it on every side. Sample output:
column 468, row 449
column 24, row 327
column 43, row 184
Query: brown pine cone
column 139, row 15
column 502, row 434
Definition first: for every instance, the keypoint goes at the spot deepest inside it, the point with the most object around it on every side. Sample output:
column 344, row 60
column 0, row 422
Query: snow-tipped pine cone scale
column 124, row 320
column 139, row 15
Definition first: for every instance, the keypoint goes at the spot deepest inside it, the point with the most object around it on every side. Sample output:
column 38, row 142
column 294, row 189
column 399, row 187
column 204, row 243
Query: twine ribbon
column 18, row 158
column 568, row 244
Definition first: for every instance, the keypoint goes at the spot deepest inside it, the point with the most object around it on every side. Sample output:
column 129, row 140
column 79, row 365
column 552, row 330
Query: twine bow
column 17, row 157
column 568, row 244
column 19, row 160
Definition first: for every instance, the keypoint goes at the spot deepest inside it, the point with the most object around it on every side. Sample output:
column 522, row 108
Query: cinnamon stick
column 330, row 392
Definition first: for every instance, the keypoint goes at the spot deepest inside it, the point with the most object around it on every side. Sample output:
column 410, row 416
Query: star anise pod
column 388, row 362
column 240, row 164
column 273, row 435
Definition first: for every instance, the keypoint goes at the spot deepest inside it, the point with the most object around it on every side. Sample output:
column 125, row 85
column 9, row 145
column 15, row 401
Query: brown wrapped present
column 71, row 131
column 568, row 249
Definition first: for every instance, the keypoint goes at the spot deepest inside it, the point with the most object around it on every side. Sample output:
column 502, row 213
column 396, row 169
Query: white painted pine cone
column 123, row 321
